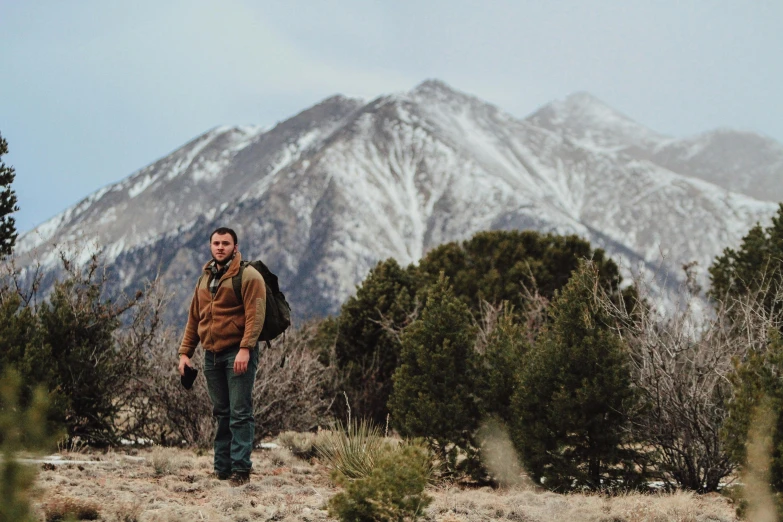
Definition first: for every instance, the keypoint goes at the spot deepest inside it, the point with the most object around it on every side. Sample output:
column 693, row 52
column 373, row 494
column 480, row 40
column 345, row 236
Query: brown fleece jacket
column 223, row 322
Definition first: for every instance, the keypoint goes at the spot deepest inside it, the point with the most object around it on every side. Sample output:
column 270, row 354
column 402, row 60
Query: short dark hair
column 224, row 230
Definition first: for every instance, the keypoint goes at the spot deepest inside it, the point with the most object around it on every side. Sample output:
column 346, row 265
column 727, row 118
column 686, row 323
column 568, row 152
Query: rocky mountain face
column 738, row 161
column 325, row 195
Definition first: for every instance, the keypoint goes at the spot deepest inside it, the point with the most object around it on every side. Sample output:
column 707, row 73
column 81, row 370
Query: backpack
column 278, row 311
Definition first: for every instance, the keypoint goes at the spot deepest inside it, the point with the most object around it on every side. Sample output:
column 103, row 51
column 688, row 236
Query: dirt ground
column 173, row 485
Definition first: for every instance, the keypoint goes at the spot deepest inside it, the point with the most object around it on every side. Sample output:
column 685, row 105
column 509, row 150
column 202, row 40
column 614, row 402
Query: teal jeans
column 232, row 407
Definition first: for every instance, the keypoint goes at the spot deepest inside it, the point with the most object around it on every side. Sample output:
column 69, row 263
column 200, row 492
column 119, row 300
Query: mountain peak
column 583, row 98
column 436, row 95
column 581, row 115
column 438, row 90
column 433, row 85
column 586, row 109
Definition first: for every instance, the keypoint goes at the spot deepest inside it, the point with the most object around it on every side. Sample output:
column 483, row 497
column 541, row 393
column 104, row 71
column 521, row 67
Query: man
column 228, row 331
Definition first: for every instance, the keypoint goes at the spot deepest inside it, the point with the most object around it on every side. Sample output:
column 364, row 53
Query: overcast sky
column 91, row 91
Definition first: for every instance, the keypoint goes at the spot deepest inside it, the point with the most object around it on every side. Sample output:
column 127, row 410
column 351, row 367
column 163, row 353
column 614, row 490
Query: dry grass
column 300, row 444
column 167, row 461
column 129, row 488
column 60, row 509
column 456, row 505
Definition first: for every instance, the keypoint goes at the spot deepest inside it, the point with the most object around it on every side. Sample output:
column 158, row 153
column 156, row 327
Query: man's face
column 222, row 246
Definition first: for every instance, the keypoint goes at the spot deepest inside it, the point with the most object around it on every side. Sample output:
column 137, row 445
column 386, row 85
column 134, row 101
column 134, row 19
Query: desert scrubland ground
column 176, row 485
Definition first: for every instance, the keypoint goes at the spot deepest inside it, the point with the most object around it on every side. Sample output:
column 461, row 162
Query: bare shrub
column 682, row 362
column 173, row 414
column 291, row 385
column 288, row 394
column 159, row 409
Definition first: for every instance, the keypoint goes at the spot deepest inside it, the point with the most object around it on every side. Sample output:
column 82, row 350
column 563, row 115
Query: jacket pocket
column 237, row 328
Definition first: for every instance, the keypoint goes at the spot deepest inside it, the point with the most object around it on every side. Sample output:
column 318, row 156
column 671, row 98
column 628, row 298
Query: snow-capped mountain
column 325, row 195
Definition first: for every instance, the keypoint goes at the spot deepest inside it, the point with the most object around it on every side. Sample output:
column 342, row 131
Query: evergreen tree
column 77, row 359
column 7, row 204
column 758, row 381
column 20, row 337
column 365, row 351
column 572, row 392
column 499, row 365
column 494, row 266
column 756, row 266
column 435, row 384
column 491, row 266
column 17, row 332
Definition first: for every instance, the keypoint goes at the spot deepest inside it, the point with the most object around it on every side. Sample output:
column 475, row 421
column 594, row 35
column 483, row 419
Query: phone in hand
column 188, row 377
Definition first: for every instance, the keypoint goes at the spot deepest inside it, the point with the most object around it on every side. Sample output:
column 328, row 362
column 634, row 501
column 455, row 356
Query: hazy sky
column 91, row 91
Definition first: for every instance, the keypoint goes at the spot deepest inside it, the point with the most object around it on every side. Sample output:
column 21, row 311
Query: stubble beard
column 226, row 260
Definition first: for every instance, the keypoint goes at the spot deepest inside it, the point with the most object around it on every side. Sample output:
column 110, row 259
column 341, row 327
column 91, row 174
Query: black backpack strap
column 236, row 282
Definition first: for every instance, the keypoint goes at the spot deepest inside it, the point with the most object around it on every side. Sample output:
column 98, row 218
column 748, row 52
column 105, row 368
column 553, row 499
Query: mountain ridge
column 327, row 193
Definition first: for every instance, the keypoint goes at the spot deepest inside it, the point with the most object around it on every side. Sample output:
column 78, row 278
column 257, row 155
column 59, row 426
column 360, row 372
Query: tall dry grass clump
column 301, row 445
column 756, row 474
column 351, row 449
column 681, row 365
column 499, row 456
column 165, row 461
column 21, row 429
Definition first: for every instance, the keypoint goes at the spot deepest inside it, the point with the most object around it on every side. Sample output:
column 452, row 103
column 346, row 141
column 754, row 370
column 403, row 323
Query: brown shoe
column 221, row 476
column 239, row 478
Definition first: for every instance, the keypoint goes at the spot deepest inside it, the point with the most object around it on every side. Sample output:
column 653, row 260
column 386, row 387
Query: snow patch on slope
column 140, row 186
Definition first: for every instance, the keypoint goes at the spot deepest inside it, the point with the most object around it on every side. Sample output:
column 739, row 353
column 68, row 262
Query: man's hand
column 183, row 361
column 240, row 361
